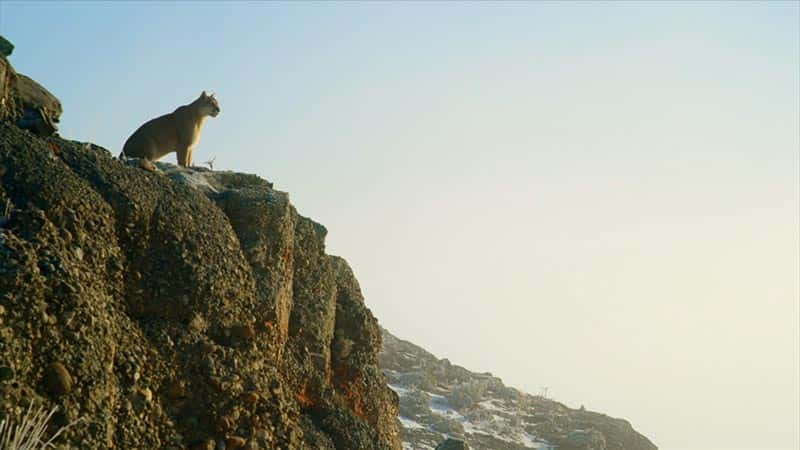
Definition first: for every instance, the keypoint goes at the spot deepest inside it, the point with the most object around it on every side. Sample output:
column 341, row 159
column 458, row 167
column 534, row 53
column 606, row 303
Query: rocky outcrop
column 180, row 309
column 41, row 110
column 194, row 309
column 24, row 101
column 440, row 400
column 6, row 47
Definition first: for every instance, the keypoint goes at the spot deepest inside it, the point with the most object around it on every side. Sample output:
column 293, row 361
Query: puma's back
column 154, row 139
column 178, row 131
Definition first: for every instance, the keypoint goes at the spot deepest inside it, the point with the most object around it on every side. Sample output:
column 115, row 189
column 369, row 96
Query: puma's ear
column 203, row 95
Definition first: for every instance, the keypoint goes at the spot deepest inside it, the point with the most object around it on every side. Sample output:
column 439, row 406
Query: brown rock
column 234, row 442
column 206, row 348
column 207, row 444
column 37, row 97
column 250, row 398
column 57, row 379
column 224, row 424
column 242, row 332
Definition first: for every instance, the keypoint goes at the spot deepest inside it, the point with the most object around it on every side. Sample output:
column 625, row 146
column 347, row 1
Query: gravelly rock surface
column 177, row 309
column 440, row 400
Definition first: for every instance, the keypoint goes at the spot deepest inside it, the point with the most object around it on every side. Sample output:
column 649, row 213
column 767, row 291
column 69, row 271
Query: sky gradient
column 601, row 198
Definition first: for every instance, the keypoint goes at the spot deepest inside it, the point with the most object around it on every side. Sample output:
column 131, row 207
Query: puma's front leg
column 190, row 157
column 146, row 164
column 183, row 156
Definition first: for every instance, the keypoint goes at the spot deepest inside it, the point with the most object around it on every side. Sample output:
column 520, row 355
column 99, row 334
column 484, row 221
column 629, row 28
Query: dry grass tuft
column 29, row 434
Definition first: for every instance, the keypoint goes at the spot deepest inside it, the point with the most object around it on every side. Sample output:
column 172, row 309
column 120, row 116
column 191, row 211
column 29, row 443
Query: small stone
column 207, row 444
column 206, row 348
column 234, row 442
column 58, row 380
column 142, row 398
column 242, row 332
column 147, row 394
column 198, row 324
column 249, row 398
column 263, row 437
column 224, row 424
column 275, row 388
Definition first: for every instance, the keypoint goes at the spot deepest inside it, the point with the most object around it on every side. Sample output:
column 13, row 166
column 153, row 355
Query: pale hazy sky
column 598, row 198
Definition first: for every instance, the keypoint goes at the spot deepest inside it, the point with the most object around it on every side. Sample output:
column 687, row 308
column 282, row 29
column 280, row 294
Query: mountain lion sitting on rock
column 178, row 131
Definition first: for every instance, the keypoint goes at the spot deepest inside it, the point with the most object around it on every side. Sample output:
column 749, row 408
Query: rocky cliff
column 179, row 309
column 439, row 399
column 188, row 308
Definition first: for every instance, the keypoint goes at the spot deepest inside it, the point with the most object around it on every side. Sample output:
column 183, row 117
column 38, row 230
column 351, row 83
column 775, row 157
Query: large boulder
column 6, row 47
column 41, row 110
column 24, row 101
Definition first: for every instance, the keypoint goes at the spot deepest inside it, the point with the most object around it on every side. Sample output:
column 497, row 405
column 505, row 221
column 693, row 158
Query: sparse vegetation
column 446, row 425
column 415, row 404
column 29, row 434
column 467, row 394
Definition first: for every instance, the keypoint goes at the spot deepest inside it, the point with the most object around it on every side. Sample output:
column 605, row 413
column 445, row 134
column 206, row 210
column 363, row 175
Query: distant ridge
column 440, row 400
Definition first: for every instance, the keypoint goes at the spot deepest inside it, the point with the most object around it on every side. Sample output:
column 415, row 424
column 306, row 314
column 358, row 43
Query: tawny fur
column 178, row 131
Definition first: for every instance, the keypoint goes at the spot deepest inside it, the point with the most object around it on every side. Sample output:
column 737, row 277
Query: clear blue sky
column 597, row 197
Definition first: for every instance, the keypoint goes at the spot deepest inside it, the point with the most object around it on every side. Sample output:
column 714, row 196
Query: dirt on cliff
column 181, row 309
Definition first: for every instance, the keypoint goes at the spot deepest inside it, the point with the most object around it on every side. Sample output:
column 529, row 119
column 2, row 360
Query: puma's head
column 209, row 106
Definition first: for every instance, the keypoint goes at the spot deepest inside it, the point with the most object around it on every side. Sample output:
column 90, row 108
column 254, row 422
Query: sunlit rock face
column 177, row 309
column 439, row 400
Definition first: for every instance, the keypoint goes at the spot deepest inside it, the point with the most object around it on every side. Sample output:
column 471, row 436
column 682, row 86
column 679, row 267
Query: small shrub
column 415, row 404
column 446, row 425
column 467, row 394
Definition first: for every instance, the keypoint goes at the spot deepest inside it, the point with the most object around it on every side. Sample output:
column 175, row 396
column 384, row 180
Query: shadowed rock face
column 9, row 99
column 452, row 444
column 181, row 309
